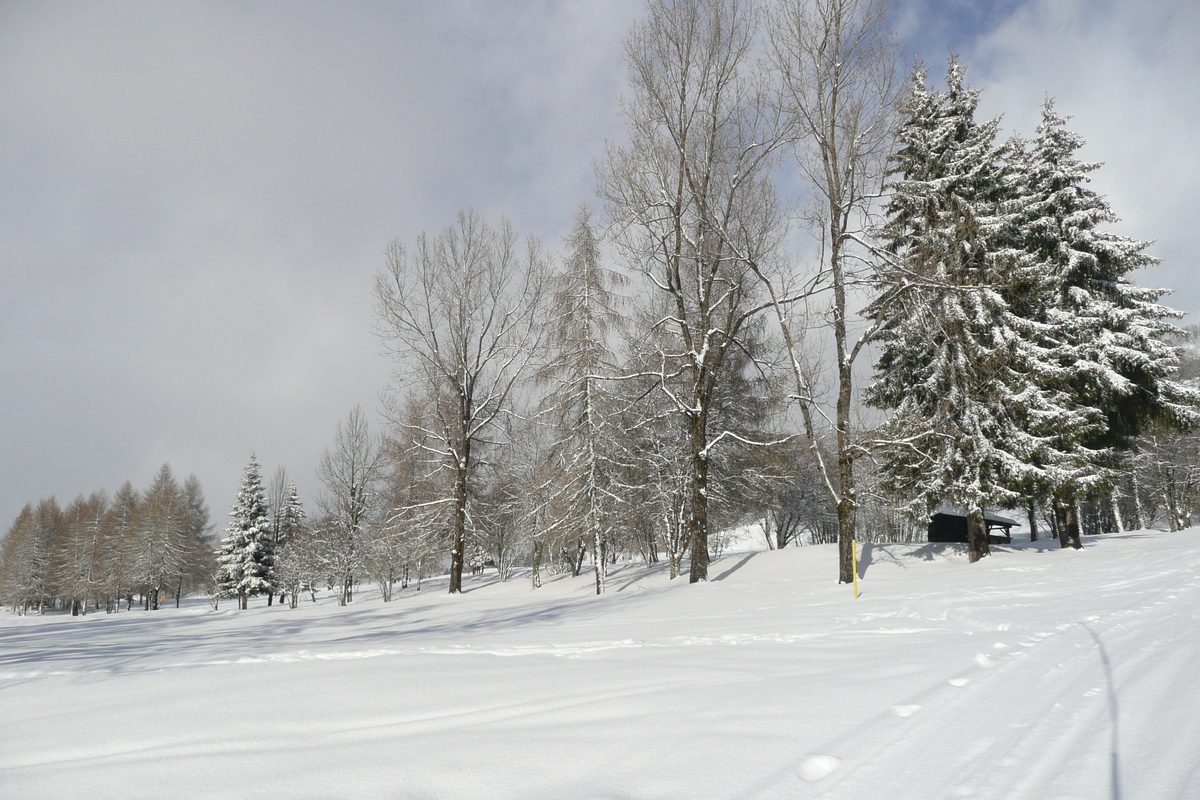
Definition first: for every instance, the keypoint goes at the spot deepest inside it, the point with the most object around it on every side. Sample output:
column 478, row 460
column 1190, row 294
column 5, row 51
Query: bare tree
column 837, row 69
column 693, row 207
column 350, row 471
column 459, row 314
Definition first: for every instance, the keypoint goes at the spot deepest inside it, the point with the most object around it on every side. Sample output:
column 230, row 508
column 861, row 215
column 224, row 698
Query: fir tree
column 245, row 555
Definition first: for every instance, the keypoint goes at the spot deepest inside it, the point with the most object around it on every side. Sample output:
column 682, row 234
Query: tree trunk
column 1067, row 517
column 535, row 575
column 697, row 523
column 977, row 538
column 1140, row 514
column 1033, row 534
column 460, row 530
column 1114, row 500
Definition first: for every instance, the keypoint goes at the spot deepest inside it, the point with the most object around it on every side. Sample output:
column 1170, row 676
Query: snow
column 1037, row 673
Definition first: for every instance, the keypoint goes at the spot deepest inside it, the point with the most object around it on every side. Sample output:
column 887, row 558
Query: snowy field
column 1034, row 674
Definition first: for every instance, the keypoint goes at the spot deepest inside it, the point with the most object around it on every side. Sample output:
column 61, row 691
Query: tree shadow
column 735, row 567
column 1114, row 762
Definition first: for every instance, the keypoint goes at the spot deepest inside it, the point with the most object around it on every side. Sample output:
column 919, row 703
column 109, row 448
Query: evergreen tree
column 294, row 558
column 1104, row 336
column 245, row 555
column 957, row 365
column 291, row 516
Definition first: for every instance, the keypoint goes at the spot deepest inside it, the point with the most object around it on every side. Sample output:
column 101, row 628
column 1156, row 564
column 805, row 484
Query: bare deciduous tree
column 350, row 471
column 459, row 314
column 693, row 206
column 837, row 69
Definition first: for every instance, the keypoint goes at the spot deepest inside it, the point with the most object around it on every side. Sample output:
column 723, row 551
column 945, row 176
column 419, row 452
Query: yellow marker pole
column 854, row 560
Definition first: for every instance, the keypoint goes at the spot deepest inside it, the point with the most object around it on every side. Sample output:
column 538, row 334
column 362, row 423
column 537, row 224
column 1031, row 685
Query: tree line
column 103, row 551
column 684, row 367
column 658, row 398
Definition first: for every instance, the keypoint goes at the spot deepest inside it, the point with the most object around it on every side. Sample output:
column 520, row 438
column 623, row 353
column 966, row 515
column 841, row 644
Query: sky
column 196, row 197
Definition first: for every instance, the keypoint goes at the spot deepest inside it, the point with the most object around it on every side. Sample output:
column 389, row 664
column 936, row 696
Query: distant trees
column 350, row 472
column 104, row 551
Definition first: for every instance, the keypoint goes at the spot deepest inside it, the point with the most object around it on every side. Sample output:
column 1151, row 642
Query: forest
column 945, row 318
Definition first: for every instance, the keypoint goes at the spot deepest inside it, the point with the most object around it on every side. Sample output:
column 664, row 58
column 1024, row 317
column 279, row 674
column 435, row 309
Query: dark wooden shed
column 950, row 525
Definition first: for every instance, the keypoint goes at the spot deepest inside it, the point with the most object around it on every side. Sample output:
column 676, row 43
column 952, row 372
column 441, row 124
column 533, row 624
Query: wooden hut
column 950, row 525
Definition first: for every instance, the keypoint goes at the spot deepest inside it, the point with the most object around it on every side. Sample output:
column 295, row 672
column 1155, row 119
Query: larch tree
column 119, row 527
column 581, row 406
column 75, row 557
column 244, row 556
column 198, row 564
column 459, row 313
column 163, row 536
column 693, row 207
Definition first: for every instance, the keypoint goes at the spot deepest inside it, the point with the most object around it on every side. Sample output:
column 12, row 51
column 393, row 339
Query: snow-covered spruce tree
column 1105, row 336
column 288, row 525
column 244, row 557
column 957, row 366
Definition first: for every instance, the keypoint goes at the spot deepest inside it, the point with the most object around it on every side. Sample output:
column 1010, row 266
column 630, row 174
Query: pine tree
column 245, row 556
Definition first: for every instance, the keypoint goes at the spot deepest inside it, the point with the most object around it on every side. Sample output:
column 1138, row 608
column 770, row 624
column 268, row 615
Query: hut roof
column 995, row 519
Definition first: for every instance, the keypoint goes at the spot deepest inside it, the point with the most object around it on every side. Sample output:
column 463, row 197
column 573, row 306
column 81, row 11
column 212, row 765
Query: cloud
column 1126, row 74
column 197, row 197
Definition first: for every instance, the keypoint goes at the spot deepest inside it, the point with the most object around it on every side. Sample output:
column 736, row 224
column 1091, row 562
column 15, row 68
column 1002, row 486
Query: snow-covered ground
column 1034, row 674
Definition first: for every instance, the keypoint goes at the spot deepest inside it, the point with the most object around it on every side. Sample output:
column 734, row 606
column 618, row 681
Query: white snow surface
column 1037, row 673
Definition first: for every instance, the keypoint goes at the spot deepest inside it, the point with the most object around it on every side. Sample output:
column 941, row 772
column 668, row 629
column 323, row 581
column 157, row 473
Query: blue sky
column 196, row 197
